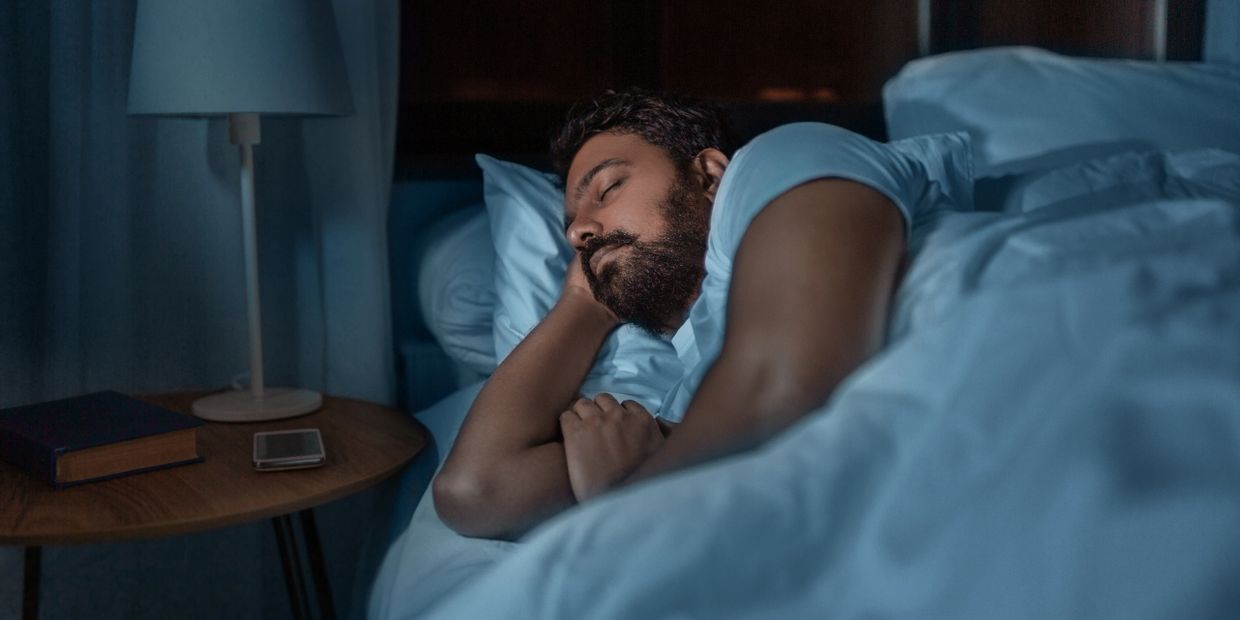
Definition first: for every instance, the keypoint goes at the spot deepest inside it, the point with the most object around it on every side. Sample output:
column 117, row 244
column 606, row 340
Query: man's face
column 640, row 228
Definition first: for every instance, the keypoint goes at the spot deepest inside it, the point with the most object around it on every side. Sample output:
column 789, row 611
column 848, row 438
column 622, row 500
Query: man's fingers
column 633, row 406
column 653, row 430
column 569, row 421
column 606, row 401
column 586, row 408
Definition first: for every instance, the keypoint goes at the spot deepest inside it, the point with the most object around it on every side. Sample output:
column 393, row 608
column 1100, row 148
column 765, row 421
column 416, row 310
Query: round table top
column 364, row 442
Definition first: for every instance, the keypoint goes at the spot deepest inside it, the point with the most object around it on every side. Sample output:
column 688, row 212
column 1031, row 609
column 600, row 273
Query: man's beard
column 653, row 286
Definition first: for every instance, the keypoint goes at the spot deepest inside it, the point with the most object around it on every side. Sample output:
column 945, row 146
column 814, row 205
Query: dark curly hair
column 681, row 126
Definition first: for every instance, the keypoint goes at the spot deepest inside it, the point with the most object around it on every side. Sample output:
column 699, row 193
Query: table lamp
column 241, row 59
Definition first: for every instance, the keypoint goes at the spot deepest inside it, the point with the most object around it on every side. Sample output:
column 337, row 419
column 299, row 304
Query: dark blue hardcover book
column 96, row 436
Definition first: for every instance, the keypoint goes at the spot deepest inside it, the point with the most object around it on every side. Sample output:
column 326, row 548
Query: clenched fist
column 604, row 441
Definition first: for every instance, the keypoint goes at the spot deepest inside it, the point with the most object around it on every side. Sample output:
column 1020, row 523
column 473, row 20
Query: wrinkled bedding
column 1052, row 431
column 1061, row 444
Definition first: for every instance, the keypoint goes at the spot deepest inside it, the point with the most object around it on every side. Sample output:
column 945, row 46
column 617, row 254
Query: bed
column 1052, row 430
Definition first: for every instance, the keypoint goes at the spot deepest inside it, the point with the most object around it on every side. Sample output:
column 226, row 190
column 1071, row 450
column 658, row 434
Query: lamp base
column 243, row 406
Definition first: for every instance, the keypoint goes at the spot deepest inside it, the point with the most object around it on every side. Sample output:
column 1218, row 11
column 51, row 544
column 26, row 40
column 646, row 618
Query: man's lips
column 600, row 255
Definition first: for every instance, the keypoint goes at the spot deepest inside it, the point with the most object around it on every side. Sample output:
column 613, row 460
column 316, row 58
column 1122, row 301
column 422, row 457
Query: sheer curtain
column 121, row 268
column 1222, row 42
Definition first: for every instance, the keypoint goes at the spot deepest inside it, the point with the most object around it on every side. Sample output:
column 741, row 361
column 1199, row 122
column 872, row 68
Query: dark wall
column 497, row 76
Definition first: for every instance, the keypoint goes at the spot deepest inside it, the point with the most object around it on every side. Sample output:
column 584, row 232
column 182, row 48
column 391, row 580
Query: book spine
column 19, row 450
column 141, row 470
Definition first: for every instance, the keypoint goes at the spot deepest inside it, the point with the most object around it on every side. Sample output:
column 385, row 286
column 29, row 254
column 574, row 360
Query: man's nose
column 581, row 229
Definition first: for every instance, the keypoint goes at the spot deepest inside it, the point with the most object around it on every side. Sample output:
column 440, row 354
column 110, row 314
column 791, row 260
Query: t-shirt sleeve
column 917, row 175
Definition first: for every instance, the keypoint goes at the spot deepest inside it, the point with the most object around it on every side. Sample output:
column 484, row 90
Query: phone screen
column 288, row 445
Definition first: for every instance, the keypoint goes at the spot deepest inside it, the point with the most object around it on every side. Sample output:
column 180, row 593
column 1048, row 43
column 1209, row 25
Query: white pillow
column 1029, row 109
column 456, row 288
column 526, row 211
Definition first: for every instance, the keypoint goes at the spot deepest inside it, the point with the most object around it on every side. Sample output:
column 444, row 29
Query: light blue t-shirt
column 920, row 176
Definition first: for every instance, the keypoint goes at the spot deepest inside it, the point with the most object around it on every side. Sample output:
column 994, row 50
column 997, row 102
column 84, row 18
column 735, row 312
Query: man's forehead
column 615, row 148
column 605, row 146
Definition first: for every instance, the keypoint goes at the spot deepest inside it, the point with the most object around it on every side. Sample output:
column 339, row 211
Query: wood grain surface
column 365, row 443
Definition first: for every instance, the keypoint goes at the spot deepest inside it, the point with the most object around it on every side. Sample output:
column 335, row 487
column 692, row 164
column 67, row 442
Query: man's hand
column 604, row 441
column 576, row 285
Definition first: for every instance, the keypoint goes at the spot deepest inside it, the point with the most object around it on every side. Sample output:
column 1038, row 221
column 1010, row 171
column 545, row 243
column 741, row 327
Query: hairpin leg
column 318, row 568
column 291, row 560
column 294, row 566
column 30, row 583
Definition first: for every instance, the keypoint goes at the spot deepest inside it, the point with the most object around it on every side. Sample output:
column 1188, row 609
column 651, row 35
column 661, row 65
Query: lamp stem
column 260, row 403
column 244, row 131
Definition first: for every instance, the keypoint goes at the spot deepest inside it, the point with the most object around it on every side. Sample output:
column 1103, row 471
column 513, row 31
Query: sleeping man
column 773, row 270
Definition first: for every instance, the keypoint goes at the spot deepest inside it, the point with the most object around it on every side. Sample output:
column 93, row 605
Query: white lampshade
column 211, row 57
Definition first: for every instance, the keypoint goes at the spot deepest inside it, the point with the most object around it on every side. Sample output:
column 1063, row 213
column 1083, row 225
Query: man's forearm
column 504, row 474
column 532, row 486
column 540, row 378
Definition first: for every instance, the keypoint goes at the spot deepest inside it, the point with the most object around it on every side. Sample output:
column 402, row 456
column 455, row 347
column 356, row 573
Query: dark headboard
column 1156, row 30
column 471, row 82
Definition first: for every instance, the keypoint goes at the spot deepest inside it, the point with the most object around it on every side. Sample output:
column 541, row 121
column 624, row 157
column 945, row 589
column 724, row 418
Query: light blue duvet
column 1052, row 431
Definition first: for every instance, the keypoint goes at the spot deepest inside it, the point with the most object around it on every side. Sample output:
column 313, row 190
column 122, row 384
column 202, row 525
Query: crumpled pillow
column 456, row 289
column 1029, row 109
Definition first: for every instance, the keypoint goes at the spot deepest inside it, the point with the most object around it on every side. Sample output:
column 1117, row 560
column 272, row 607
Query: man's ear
column 709, row 165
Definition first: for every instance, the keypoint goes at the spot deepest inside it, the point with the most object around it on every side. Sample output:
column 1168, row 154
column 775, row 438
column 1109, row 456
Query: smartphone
column 295, row 449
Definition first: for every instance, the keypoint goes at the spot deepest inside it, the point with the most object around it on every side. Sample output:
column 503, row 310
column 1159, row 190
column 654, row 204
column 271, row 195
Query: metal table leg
column 295, row 567
column 30, row 583
column 290, row 558
column 318, row 567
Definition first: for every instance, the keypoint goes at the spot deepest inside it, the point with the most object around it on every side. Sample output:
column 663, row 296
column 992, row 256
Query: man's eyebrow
column 589, row 176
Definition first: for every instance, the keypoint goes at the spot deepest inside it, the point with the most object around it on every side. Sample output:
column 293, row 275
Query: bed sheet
column 428, row 561
column 1054, row 431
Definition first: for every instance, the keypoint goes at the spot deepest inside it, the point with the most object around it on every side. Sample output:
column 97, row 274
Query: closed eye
column 609, row 188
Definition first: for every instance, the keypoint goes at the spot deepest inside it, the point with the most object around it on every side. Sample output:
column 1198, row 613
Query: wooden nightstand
column 365, row 444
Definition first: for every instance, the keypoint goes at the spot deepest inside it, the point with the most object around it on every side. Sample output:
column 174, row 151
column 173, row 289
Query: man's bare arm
column 807, row 305
column 506, row 471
